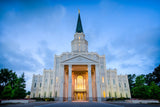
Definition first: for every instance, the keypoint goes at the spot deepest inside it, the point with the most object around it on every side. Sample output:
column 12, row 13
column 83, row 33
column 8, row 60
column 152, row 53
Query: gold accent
column 78, row 11
column 104, row 94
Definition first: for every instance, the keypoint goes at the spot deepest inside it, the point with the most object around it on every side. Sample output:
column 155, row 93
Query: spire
column 79, row 28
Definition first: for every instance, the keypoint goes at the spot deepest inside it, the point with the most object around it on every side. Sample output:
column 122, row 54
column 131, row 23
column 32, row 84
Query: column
column 70, row 84
column 90, row 82
column 98, row 84
column 62, row 83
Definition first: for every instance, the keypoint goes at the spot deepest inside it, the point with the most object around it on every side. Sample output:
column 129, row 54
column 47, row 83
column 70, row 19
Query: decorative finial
column 78, row 11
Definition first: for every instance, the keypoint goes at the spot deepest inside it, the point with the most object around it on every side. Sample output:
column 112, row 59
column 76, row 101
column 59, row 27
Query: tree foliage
column 155, row 91
column 19, row 90
column 141, row 90
column 6, row 93
column 7, row 77
column 156, row 74
column 145, row 86
column 10, row 85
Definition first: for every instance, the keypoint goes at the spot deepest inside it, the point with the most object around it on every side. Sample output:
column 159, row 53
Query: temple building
column 80, row 75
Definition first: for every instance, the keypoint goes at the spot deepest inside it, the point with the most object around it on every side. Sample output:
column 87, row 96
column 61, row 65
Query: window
column 56, row 79
column 80, row 83
column 109, row 94
column 79, row 38
column 115, row 94
column 33, row 95
column 108, row 82
column 121, row 95
column 46, row 80
column 104, row 94
column 39, row 95
column 101, row 67
column 44, row 94
column 56, row 94
column 126, row 95
column 125, row 85
column 51, row 81
column 113, row 81
column 119, row 84
column 50, row 94
column 102, row 79
column 40, row 85
column 34, row 85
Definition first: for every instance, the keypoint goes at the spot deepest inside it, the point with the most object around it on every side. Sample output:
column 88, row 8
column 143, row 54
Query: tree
column 156, row 73
column 141, row 90
column 19, row 90
column 155, row 91
column 6, row 93
column 149, row 78
column 140, row 80
column 131, row 80
column 28, row 93
column 6, row 77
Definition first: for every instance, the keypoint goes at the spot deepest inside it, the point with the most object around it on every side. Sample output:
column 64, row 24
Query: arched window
column 125, row 85
column 108, row 82
column 79, row 83
column 115, row 95
column 102, row 79
column 34, row 85
column 33, row 95
column 50, row 94
column 51, row 81
column 104, row 94
column 44, row 94
column 56, row 79
column 109, row 95
column 126, row 95
column 121, row 95
column 113, row 81
column 120, row 85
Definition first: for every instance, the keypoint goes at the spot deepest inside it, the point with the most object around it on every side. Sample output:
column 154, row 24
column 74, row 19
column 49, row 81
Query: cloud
column 28, row 37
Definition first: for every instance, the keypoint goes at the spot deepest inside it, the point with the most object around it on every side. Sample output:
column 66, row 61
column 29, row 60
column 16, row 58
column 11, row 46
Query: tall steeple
column 79, row 28
column 79, row 43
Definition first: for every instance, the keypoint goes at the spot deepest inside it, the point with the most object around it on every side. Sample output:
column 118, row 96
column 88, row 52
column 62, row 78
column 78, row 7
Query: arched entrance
column 80, row 88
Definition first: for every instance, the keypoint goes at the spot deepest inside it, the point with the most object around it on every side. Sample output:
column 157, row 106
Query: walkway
column 79, row 104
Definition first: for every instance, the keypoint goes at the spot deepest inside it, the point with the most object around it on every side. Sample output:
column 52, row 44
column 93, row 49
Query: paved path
column 60, row 104
column 80, row 104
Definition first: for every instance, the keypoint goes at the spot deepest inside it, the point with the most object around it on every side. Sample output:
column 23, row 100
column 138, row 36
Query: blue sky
column 127, row 32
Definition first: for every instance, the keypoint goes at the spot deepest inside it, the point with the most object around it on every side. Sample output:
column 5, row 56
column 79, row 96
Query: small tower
column 79, row 44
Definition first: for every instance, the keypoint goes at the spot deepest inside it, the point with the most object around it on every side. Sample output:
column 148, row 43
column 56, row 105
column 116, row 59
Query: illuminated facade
column 80, row 75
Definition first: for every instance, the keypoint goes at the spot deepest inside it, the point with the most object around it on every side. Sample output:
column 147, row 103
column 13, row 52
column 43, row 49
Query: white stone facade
column 80, row 75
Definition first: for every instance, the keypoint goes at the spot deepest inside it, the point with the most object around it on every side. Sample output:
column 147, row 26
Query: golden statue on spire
column 78, row 11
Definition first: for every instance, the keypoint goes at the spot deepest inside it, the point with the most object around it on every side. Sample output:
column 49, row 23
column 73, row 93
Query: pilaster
column 98, row 84
column 61, row 83
column 90, row 82
column 70, row 84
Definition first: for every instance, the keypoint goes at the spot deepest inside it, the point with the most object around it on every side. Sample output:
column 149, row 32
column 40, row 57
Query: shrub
column 44, row 99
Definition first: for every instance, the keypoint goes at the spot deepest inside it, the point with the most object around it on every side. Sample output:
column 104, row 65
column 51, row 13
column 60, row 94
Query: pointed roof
column 79, row 28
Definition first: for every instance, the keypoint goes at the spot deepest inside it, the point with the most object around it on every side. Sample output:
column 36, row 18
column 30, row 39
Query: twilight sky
column 33, row 31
